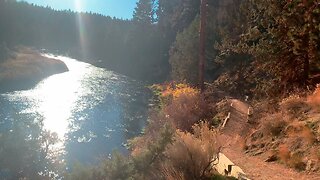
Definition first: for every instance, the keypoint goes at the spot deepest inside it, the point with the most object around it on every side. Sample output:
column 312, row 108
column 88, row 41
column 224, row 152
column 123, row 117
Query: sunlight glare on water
column 56, row 96
column 92, row 110
column 59, row 95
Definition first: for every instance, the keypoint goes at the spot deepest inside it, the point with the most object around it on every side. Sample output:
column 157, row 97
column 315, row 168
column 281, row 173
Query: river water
column 92, row 110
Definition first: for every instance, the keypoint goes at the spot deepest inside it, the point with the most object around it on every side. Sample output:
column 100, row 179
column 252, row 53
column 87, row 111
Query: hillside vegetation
column 265, row 53
column 289, row 132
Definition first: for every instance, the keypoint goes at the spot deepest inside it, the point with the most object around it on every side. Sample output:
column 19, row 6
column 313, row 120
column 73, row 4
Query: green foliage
column 144, row 12
column 125, row 46
column 5, row 53
column 148, row 159
column 119, row 167
column 177, row 15
column 169, row 155
column 26, row 150
column 184, row 54
column 282, row 37
column 81, row 172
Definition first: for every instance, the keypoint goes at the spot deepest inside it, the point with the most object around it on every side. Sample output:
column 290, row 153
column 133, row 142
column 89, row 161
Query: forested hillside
column 262, row 54
column 125, row 46
column 140, row 47
column 247, row 37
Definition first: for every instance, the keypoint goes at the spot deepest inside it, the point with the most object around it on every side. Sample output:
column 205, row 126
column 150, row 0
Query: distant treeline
column 251, row 47
column 145, row 47
column 133, row 47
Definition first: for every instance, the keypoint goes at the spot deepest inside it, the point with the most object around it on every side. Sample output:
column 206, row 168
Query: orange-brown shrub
column 284, row 153
column 295, row 107
column 299, row 130
column 314, row 99
column 191, row 155
column 274, row 125
column 294, row 160
column 182, row 105
column 186, row 110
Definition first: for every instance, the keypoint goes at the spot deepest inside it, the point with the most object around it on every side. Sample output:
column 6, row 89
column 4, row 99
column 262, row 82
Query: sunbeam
column 81, row 29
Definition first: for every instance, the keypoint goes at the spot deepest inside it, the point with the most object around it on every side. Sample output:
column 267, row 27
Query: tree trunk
column 202, row 50
column 306, row 69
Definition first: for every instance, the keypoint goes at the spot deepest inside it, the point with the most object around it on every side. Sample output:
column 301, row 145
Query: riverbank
column 25, row 67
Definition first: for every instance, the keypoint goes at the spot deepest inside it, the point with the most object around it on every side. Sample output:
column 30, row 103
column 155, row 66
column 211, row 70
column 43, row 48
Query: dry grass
column 299, row 129
column 295, row 107
column 290, row 131
column 191, row 155
column 274, row 125
column 314, row 99
column 26, row 68
column 28, row 63
column 294, row 160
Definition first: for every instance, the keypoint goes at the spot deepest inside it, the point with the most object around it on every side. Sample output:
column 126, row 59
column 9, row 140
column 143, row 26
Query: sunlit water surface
column 94, row 111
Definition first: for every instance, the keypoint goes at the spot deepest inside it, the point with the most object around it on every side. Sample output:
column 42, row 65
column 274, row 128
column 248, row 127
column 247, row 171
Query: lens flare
column 81, row 27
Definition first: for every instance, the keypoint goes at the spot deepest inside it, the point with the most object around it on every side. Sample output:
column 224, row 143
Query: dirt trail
column 232, row 138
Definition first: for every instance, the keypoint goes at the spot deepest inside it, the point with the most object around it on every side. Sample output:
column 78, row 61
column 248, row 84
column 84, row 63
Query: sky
column 115, row 8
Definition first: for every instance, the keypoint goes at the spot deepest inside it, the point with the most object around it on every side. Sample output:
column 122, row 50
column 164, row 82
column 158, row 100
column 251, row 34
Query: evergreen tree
column 144, row 12
column 184, row 54
column 282, row 38
column 125, row 46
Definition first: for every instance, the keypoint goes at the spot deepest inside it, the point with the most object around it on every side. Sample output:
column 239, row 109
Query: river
column 92, row 110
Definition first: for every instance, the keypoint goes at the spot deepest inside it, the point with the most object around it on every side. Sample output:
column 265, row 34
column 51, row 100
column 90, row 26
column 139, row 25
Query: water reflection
column 93, row 111
column 57, row 95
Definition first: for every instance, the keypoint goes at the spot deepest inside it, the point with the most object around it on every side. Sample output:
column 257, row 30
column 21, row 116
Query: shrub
column 300, row 130
column 170, row 155
column 164, row 152
column 314, row 99
column 4, row 52
column 191, row 155
column 186, row 106
column 27, row 151
column 186, row 110
column 119, row 167
column 149, row 158
column 293, row 160
column 181, row 105
column 165, row 93
column 295, row 107
column 284, row 153
column 80, row 172
column 274, row 126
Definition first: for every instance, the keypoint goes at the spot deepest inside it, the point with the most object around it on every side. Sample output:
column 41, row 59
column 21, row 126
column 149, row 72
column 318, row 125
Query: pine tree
column 144, row 12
